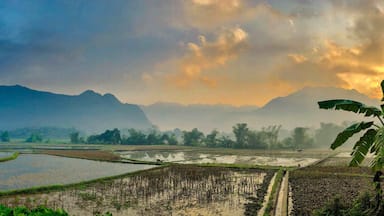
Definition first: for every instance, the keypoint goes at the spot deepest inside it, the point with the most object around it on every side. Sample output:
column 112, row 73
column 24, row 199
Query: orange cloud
column 358, row 65
column 335, row 65
column 212, row 13
column 297, row 58
column 209, row 55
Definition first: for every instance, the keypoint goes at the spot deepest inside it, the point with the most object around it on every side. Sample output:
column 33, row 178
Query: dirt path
column 266, row 198
column 283, row 207
column 282, row 200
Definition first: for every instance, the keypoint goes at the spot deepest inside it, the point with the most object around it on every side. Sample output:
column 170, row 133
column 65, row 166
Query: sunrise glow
column 235, row 52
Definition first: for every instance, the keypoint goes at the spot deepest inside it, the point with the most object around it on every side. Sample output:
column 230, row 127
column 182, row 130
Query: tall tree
column 211, row 139
column 271, row 135
column 108, row 137
column 300, row 138
column 193, row 138
column 4, row 137
column 75, row 138
column 226, row 142
column 241, row 131
column 169, row 139
column 372, row 141
column 256, row 140
column 34, row 138
column 153, row 138
column 135, row 138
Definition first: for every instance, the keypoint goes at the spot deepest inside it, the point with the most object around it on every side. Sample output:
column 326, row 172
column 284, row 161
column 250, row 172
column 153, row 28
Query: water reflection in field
column 190, row 157
column 5, row 154
column 33, row 170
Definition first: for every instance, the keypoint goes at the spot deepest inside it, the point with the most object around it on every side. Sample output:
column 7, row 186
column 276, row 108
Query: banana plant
column 373, row 139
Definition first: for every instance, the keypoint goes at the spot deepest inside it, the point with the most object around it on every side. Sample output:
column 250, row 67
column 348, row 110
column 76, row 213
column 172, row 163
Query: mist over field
column 298, row 109
column 53, row 116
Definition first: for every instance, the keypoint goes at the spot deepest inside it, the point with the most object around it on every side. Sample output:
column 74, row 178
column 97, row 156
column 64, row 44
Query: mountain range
column 294, row 110
column 168, row 116
column 21, row 107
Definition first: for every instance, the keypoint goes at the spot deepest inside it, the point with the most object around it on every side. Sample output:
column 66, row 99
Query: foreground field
column 174, row 190
column 178, row 188
column 314, row 187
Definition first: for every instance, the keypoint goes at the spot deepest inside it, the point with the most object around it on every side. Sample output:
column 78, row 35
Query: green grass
column 23, row 211
column 12, row 157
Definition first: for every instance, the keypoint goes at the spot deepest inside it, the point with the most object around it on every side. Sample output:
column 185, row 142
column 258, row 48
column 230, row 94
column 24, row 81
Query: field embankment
column 13, row 156
column 83, row 154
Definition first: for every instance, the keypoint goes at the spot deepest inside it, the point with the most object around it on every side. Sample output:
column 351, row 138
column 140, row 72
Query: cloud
column 205, row 55
column 358, row 64
column 297, row 58
column 208, row 14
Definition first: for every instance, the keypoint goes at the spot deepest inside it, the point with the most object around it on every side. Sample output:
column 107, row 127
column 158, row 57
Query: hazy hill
column 21, row 107
column 301, row 109
column 297, row 109
column 205, row 117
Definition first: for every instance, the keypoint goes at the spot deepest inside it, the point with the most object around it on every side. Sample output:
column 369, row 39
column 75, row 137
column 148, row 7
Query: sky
column 239, row 52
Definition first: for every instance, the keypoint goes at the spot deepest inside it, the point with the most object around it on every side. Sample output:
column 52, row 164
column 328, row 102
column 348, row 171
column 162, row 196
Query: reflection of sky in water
column 193, row 157
column 30, row 170
column 5, row 154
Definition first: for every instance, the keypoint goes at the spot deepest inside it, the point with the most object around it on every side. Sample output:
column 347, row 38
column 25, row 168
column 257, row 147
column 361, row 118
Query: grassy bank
column 12, row 157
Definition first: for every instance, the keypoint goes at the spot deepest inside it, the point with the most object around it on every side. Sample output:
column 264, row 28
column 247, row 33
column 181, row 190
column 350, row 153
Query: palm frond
column 351, row 106
column 362, row 147
column 349, row 132
column 378, row 149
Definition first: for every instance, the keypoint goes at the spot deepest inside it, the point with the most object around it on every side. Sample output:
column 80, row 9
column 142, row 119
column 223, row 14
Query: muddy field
column 174, row 190
column 314, row 187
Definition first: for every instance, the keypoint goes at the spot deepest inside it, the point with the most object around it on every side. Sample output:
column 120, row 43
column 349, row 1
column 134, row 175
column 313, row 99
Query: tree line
column 242, row 137
column 271, row 137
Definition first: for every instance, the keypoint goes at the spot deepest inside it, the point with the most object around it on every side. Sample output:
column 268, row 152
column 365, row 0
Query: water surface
column 33, row 170
column 190, row 157
column 5, row 154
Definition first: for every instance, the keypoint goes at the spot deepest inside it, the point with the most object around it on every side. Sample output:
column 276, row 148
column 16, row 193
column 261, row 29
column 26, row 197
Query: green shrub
column 364, row 206
column 23, row 211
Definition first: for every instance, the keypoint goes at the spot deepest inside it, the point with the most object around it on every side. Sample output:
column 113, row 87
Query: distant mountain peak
column 110, row 97
column 15, row 87
column 90, row 111
column 90, row 93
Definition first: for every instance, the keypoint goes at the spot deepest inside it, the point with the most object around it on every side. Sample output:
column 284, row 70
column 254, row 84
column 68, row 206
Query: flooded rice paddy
column 174, row 190
column 34, row 170
column 190, row 157
column 5, row 154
